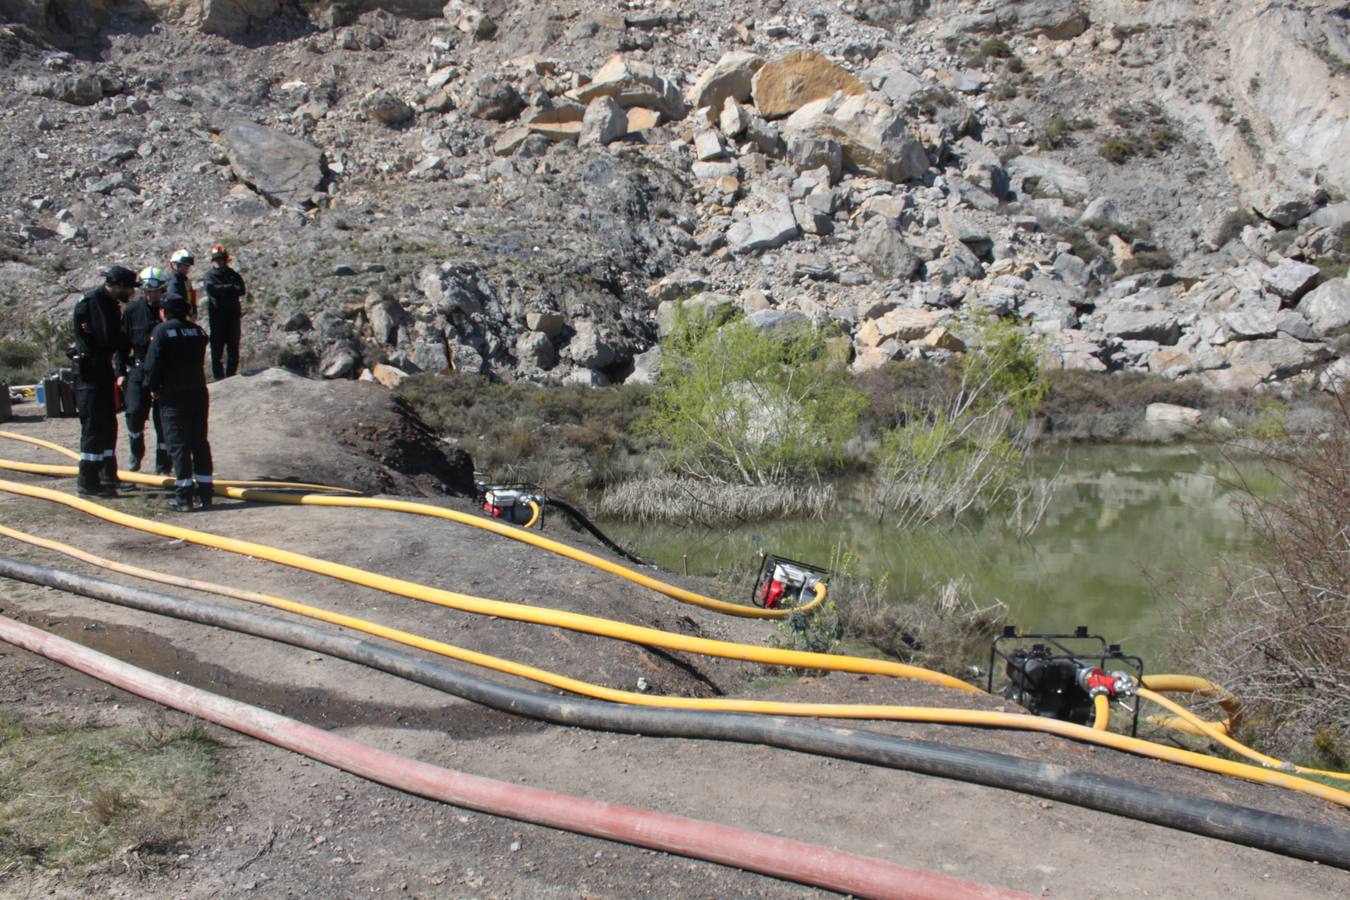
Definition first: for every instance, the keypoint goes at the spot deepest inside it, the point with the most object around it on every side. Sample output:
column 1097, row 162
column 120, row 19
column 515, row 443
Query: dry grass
column 944, row 629
column 668, row 498
column 1279, row 636
column 73, row 795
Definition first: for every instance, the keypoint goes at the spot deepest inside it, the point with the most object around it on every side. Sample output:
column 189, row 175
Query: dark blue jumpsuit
column 102, row 346
column 173, row 370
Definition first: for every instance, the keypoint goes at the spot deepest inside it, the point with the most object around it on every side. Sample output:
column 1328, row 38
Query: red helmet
column 219, row 252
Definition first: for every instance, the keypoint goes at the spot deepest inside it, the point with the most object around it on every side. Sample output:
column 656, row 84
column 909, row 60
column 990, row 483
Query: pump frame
column 766, row 568
column 525, row 489
column 1104, row 653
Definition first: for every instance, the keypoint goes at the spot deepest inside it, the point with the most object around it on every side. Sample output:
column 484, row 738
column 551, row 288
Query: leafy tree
column 738, row 405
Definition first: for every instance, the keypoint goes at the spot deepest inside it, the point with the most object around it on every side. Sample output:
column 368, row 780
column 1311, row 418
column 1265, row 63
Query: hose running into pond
column 752, row 851
column 1224, row 821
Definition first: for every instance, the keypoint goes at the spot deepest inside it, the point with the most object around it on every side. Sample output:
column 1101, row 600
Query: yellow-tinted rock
column 785, row 85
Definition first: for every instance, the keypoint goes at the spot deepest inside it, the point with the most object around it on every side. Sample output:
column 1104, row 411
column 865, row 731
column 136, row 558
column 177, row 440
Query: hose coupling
column 1096, row 682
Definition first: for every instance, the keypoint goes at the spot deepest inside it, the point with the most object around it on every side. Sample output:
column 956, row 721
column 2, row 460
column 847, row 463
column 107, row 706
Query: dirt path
column 285, row 826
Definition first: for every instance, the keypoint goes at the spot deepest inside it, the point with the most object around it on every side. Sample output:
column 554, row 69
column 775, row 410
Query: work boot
column 110, row 480
column 181, row 503
column 88, row 483
column 205, row 495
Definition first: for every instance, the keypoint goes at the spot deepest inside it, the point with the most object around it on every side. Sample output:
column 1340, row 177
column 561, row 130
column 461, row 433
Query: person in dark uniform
column 224, row 292
column 100, row 365
column 138, row 320
column 173, row 373
column 180, row 282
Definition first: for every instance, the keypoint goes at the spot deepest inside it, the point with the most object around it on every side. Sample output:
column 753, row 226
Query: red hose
column 779, row 857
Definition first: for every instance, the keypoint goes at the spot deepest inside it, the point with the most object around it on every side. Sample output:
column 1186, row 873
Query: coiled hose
column 1225, row 821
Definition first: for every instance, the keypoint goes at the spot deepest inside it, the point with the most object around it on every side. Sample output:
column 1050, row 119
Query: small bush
column 1055, row 134
column 1147, row 261
column 1115, row 150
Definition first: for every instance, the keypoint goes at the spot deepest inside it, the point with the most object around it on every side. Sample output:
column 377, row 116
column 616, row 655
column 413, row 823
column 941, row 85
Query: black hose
column 1226, row 821
column 579, row 517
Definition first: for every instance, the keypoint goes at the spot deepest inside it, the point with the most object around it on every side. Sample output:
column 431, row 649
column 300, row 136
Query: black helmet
column 119, row 276
column 175, row 305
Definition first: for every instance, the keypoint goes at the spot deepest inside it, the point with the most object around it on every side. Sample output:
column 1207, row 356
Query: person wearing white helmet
column 138, row 320
column 180, row 282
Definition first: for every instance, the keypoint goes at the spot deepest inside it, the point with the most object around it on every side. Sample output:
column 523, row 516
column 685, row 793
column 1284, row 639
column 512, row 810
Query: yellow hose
column 1209, row 730
column 149, row 480
column 515, row 611
column 1017, row 721
column 1101, row 707
column 1194, row 684
column 425, row 509
column 534, row 514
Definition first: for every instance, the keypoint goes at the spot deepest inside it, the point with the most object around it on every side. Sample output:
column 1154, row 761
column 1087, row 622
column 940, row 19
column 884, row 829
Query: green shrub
column 966, row 454
column 1115, row 149
column 736, row 405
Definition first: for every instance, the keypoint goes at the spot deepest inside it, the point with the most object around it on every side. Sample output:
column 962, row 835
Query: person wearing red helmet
column 224, row 292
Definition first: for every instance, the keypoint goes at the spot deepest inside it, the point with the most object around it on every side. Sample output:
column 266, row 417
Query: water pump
column 1059, row 675
column 784, row 583
column 510, row 502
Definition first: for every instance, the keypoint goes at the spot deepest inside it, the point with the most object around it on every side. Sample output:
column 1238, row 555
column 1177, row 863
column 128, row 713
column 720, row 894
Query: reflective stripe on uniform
column 108, row 454
column 91, row 457
column 204, row 479
column 182, row 482
column 135, row 434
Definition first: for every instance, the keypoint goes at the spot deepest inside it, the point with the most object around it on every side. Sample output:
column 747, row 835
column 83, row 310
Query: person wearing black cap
column 173, row 373
column 224, row 292
column 100, row 364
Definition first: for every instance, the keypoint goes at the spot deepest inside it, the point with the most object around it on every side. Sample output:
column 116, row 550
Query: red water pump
column 784, row 583
column 510, row 502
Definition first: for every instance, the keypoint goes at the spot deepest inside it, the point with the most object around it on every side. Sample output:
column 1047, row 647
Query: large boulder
column 603, row 123
column 785, row 85
column 729, row 77
column 764, row 231
column 1143, row 325
column 228, row 18
column 1327, row 307
column 284, row 169
column 632, row 83
column 873, row 136
column 1291, row 279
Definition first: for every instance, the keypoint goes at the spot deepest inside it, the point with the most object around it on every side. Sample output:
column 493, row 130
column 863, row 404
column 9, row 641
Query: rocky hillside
column 524, row 189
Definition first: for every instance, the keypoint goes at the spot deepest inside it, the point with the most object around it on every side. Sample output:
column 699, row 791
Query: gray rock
column 1291, row 279
column 807, row 151
column 711, row 171
column 1102, row 211
column 1293, row 323
column 708, row 306
column 383, row 106
column 547, row 323
column 885, row 251
column 1048, row 314
column 958, row 262
column 587, row 349
column 605, row 122
column 429, row 353
column 1285, row 356
column 646, row 367
column 1336, row 377
column 779, row 321
column 1143, row 325
column 1072, row 269
column 1038, row 176
column 1327, row 306
column 297, row 322
column 1284, row 209
column 285, row 170
column 1247, row 323
column 535, row 350
column 1333, row 215
column 765, row 230
column 341, row 360
column 488, row 98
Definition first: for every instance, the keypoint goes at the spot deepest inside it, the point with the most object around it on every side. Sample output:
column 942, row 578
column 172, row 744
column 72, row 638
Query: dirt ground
column 286, row 826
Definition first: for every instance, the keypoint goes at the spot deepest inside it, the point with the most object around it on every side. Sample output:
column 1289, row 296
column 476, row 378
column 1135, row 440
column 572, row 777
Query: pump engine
column 1058, row 675
column 510, row 502
column 784, row 583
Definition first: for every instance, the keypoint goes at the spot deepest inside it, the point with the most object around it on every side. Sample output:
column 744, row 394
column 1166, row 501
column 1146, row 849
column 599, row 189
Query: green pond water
column 1128, row 530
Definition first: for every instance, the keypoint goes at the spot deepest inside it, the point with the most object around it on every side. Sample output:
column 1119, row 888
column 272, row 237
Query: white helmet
column 181, row 256
column 153, row 279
